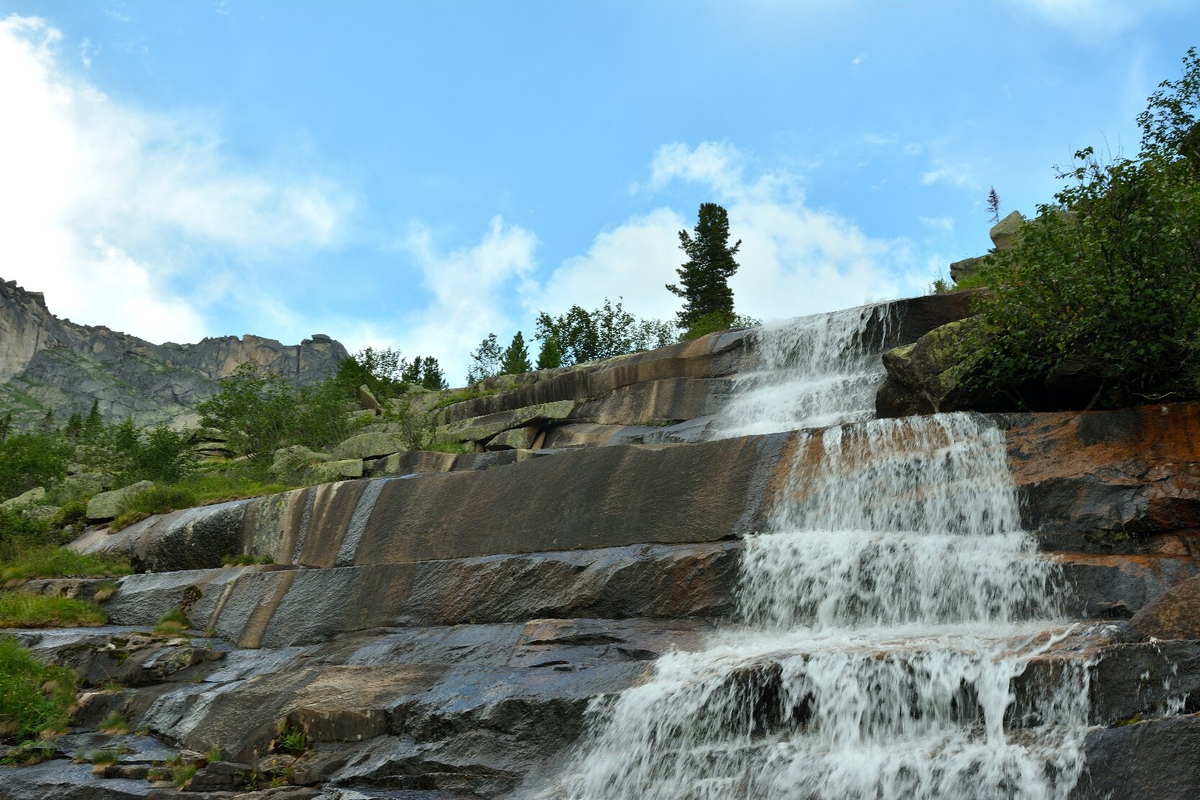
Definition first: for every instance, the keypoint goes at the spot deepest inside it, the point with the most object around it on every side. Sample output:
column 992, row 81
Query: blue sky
column 417, row 175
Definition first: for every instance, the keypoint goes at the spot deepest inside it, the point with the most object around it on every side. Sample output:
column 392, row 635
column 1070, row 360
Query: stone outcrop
column 107, row 505
column 931, row 375
column 52, row 363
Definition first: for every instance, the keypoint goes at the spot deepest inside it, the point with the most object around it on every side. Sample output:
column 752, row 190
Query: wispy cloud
column 1099, row 18
column 794, row 259
column 107, row 207
column 858, row 59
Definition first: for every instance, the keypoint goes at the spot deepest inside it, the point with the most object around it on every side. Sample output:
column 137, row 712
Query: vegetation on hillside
column 1098, row 300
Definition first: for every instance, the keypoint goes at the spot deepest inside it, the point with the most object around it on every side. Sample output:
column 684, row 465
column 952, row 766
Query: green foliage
column 104, row 757
column 289, row 738
column 704, row 277
column 38, row 611
column 259, row 412
column 32, row 459
column 93, row 425
column 19, row 533
column 33, row 696
column 48, row 561
column 113, row 722
column 1104, row 285
column 172, row 622
column 6, row 424
column 381, row 371
column 581, row 335
column 485, row 360
column 516, row 357
column 74, row 427
column 155, row 500
column 132, row 454
column 717, row 321
column 550, row 356
column 426, row 373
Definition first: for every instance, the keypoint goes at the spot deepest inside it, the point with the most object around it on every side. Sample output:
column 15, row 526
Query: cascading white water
column 887, row 615
column 809, row 372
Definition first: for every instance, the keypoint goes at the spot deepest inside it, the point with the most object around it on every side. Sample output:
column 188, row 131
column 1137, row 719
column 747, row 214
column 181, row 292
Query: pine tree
column 703, row 279
column 6, row 426
column 551, row 355
column 47, row 423
column 412, row 372
column 993, row 206
column 432, row 377
column 74, row 426
column 93, row 426
column 516, row 357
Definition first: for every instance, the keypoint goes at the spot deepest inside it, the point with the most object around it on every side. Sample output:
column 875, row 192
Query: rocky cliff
column 52, row 363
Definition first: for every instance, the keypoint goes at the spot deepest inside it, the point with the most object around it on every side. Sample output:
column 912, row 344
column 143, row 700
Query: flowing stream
column 887, row 616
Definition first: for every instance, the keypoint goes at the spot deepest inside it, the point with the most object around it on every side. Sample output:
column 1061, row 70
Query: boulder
column 515, row 439
column 366, row 398
column 930, row 375
column 413, row 462
column 370, row 445
column 966, row 268
column 1004, row 231
column 27, row 499
column 107, row 505
column 338, row 470
column 293, row 464
column 476, row 429
column 1174, row 615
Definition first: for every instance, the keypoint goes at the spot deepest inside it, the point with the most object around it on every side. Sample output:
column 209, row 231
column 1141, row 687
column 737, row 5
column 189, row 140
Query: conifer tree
column 74, row 426
column 6, row 426
column 551, row 356
column 93, row 425
column 703, row 278
column 516, row 357
column 432, row 377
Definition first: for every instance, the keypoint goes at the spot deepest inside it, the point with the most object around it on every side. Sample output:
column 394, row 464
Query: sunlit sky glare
column 417, row 175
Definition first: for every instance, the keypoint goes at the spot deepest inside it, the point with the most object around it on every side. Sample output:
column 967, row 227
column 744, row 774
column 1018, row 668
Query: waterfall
column 886, row 618
column 809, row 372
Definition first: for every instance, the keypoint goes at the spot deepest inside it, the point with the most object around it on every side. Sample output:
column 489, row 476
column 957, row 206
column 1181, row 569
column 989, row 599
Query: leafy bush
column 33, row 696
column 717, row 321
column 1102, row 289
column 28, row 460
column 38, row 611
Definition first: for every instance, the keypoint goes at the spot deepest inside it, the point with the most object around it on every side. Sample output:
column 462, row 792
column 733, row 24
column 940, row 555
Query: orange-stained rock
column 1174, row 615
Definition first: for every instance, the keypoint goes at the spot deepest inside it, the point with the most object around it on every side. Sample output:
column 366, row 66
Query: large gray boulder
column 370, row 445
column 107, row 505
column 1005, row 231
column 33, row 496
column 931, row 375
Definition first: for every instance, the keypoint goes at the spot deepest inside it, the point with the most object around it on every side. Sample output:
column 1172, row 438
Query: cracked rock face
column 57, row 364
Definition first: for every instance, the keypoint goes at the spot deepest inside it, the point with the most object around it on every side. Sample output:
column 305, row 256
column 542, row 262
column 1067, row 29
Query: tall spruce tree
column 551, row 356
column 516, row 357
column 704, row 277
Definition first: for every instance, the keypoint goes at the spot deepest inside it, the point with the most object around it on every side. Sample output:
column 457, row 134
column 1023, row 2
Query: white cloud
column 858, row 59
column 957, row 174
column 104, row 207
column 468, row 287
column 794, row 259
column 942, row 224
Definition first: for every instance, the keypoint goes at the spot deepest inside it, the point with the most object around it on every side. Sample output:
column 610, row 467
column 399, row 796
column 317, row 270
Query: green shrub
column 34, row 697
column 19, row 533
column 28, row 460
column 1103, row 288
column 114, row 722
column 104, row 757
column 19, row 610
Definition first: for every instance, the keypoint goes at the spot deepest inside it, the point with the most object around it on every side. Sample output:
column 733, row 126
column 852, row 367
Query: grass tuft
column 34, row 697
column 59, row 562
column 38, row 611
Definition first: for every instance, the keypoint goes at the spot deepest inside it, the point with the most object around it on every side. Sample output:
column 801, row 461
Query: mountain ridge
column 48, row 363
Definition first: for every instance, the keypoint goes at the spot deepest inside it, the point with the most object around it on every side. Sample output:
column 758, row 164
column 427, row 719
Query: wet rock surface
column 443, row 631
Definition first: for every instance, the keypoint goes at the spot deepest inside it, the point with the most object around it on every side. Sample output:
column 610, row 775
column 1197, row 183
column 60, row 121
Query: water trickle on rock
column 809, row 372
column 886, row 619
